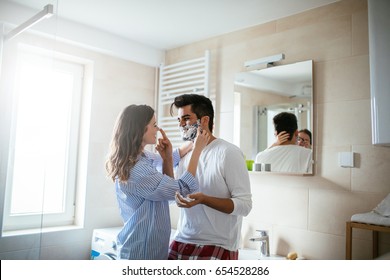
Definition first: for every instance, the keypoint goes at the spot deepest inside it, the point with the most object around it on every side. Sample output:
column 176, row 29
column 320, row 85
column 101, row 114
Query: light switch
column 346, row 159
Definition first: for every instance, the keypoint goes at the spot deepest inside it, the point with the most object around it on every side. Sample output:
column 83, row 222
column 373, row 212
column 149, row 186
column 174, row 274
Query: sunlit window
column 43, row 161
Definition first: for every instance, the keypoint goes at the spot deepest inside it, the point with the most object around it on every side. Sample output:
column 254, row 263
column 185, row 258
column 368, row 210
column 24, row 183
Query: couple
column 212, row 185
column 292, row 150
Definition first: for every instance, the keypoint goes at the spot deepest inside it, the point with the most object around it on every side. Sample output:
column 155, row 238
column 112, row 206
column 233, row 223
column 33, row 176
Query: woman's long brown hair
column 126, row 141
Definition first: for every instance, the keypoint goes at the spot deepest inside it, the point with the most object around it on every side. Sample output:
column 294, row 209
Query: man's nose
column 182, row 123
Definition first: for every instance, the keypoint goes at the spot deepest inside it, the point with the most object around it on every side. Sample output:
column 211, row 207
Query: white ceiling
column 166, row 24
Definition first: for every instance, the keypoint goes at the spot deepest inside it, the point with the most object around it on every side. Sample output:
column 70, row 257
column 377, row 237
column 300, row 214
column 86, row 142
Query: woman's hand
column 281, row 138
column 201, row 140
column 164, row 146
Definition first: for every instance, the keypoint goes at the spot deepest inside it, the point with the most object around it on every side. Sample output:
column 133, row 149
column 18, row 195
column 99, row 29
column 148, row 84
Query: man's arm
column 224, row 205
column 237, row 180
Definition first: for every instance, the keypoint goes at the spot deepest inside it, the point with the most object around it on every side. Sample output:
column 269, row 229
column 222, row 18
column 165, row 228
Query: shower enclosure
column 18, row 195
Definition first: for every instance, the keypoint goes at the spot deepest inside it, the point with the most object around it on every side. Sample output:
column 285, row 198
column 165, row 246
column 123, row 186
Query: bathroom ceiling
column 166, row 24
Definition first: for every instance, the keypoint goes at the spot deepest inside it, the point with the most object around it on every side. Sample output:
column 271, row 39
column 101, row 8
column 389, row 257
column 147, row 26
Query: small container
column 266, row 167
column 256, row 166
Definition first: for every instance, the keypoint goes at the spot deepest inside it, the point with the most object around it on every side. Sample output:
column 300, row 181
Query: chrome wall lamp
column 268, row 61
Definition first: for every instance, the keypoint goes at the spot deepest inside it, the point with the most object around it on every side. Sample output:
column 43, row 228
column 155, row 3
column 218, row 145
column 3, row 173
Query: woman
column 304, row 138
column 142, row 191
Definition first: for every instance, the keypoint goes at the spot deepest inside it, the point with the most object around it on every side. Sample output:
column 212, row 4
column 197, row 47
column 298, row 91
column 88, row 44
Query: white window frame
column 67, row 217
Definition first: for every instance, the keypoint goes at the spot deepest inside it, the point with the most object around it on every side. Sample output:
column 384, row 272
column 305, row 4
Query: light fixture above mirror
column 267, row 61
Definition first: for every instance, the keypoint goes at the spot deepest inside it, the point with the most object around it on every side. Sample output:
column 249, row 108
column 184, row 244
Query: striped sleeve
column 153, row 185
column 157, row 160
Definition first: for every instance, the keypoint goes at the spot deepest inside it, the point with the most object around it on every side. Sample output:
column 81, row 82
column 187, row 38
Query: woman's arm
column 164, row 147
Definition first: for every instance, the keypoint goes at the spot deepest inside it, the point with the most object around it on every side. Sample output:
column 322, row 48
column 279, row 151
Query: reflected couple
column 287, row 154
column 261, row 94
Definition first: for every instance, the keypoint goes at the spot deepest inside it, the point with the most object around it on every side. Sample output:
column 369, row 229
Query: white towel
column 383, row 208
column 371, row 218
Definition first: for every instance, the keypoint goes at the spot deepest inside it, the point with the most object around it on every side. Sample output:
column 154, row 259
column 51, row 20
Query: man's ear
column 204, row 121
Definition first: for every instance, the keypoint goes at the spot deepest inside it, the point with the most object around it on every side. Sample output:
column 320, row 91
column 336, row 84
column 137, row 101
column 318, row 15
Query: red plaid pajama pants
column 184, row 251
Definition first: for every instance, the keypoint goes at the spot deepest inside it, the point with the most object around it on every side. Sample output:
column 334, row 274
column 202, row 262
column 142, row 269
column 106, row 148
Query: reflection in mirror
column 261, row 94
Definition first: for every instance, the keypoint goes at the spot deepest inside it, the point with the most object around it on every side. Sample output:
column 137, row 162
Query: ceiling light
column 45, row 13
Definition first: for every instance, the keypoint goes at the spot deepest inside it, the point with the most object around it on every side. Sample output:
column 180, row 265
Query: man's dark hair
column 200, row 105
column 286, row 122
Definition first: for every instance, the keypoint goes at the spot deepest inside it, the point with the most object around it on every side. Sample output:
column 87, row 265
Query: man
column 210, row 221
column 287, row 156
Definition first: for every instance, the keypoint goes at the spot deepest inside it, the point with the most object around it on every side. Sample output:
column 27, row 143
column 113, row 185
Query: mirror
column 261, row 94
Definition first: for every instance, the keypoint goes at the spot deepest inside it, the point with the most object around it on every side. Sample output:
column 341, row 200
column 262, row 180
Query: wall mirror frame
column 262, row 93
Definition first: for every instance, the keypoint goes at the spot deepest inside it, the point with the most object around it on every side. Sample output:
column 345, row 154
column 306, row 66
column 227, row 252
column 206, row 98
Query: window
column 42, row 166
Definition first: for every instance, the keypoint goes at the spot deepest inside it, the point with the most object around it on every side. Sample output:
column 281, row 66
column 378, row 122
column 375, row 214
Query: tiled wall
column 308, row 214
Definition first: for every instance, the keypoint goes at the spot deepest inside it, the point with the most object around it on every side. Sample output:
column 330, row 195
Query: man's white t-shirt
column 287, row 158
column 221, row 173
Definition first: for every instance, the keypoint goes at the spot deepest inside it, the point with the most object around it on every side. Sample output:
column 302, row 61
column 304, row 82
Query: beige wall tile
column 345, row 123
column 247, row 34
column 321, row 41
column 325, row 13
column 286, row 203
column 329, row 210
column 372, row 169
column 328, row 166
column 309, row 245
column 343, row 79
column 360, row 33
